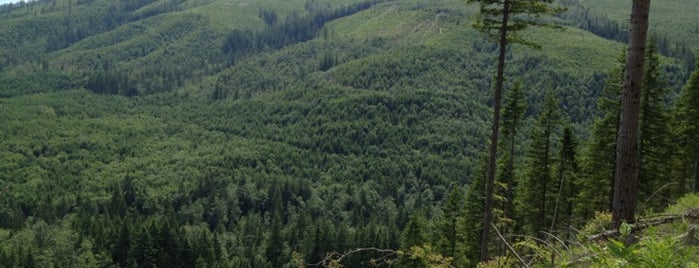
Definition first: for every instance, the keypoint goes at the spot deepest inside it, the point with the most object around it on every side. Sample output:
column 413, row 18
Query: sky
column 2, row 2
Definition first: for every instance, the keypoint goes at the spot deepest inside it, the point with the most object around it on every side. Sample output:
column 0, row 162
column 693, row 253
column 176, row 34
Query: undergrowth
column 672, row 244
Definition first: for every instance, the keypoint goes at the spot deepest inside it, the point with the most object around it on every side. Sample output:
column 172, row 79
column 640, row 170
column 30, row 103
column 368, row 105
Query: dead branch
column 692, row 214
column 334, row 259
column 388, row 257
column 514, row 252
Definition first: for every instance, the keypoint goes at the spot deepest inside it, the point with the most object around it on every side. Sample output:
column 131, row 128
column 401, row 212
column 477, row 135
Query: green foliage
column 652, row 251
column 498, row 261
column 513, row 113
column 314, row 143
column 686, row 124
column 536, row 185
column 414, row 235
column 415, row 231
column 294, row 29
column 521, row 14
column 448, row 243
column 595, row 183
column 601, row 222
column 586, row 17
column 470, row 225
column 683, row 204
column 113, row 159
column 655, row 187
column 429, row 257
column 668, row 23
column 567, row 171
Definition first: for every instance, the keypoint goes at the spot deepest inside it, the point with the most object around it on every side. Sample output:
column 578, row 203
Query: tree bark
column 626, row 175
column 497, row 99
column 696, row 172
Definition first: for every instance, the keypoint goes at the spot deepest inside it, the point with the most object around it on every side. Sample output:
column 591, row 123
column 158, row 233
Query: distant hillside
column 674, row 19
column 672, row 24
column 251, row 133
column 141, row 43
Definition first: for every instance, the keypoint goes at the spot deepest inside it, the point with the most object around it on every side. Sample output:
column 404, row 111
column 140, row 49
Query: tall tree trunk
column 542, row 206
column 561, row 172
column 626, row 175
column 616, row 155
column 497, row 99
column 509, row 209
column 696, row 172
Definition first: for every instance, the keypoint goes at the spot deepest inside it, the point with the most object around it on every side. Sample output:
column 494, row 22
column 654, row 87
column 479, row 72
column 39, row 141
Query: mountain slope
column 674, row 19
column 248, row 133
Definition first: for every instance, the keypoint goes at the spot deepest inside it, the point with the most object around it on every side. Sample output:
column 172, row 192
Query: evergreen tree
column 595, row 182
column 448, row 243
column 627, row 153
column 515, row 106
column 120, row 250
column 275, row 243
column 29, row 260
column 117, row 205
column 470, row 222
column 536, row 186
column 413, row 235
column 567, row 169
column 173, row 249
column 654, row 137
column 687, row 134
column 142, row 250
column 502, row 20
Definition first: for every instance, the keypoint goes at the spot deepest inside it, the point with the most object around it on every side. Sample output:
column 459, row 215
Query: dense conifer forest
column 334, row 133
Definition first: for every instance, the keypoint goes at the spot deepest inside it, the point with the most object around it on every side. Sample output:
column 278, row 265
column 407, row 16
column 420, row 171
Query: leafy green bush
column 596, row 225
column 651, row 251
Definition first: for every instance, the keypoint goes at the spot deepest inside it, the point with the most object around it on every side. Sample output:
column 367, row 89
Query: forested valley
column 333, row 133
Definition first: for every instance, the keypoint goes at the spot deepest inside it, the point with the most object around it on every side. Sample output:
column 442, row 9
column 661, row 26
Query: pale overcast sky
column 6, row 1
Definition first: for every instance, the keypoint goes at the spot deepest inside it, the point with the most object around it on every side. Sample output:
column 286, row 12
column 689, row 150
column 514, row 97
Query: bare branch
column 334, row 259
column 691, row 214
column 524, row 263
column 388, row 257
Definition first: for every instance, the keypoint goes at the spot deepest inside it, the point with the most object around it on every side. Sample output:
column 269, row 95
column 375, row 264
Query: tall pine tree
column 567, row 170
column 413, row 235
column 536, row 191
column 627, row 153
column 595, row 182
column 687, row 133
column 502, row 20
column 515, row 106
column 654, row 170
column 470, row 222
column 448, row 242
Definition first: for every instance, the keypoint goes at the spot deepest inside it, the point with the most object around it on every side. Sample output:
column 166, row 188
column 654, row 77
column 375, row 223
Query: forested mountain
column 270, row 133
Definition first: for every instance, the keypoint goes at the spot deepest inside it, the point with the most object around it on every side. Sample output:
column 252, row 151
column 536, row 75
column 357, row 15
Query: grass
column 665, row 245
column 684, row 204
